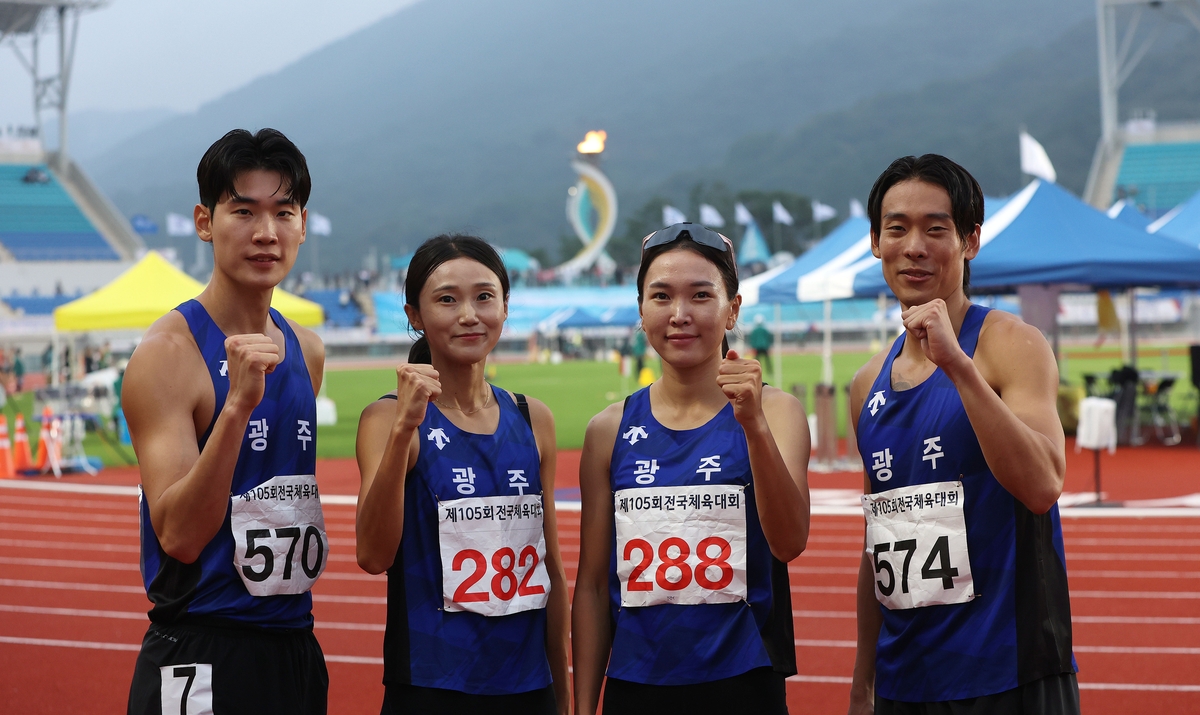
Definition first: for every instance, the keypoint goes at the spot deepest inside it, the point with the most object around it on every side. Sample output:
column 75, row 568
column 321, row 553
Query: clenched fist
column 250, row 358
column 930, row 324
column 741, row 381
column 416, row 387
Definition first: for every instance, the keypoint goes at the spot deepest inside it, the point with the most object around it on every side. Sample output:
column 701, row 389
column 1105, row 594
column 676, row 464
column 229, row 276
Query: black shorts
column 1052, row 695
column 761, row 691
column 199, row 670
column 415, row 700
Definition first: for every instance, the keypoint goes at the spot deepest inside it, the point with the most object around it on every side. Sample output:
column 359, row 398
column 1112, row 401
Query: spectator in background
column 760, row 341
column 48, row 360
column 638, row 350
column 18, row 367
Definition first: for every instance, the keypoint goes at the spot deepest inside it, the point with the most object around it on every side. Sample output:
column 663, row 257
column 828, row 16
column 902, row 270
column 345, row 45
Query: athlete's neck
column 237, row 309
column 689, row 394
column 463, row 386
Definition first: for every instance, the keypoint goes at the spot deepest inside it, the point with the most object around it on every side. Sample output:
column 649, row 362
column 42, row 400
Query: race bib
column 279, row 538
column 683, row 545
column 917, row 539
column 493, row 554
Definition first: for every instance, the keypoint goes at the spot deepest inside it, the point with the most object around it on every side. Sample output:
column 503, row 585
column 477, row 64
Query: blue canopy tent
column 754, row 247
column 1181, row 223
column 1126, row 211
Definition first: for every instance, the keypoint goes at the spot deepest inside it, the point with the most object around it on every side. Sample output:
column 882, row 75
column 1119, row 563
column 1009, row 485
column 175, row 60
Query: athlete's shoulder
column 166, row 368
column 314, row 352
column 779, row 401
column 1011, row 351
column 603, row 427
column 167, row 344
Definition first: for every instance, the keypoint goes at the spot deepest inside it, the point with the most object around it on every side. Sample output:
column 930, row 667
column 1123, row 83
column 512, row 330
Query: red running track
column 72, row 608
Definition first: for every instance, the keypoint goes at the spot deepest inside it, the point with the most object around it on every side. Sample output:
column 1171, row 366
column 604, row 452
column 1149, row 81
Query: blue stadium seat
column 40, row 222
column 38, row 305
column 337, row 314
column 1164, row 175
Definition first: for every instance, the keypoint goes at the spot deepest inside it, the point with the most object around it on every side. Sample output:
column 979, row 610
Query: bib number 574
column 940, row 552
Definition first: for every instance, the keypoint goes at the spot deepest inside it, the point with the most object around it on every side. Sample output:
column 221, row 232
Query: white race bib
column 493, row 554
column 917, row 539
column 683, row 545
column 279, row 538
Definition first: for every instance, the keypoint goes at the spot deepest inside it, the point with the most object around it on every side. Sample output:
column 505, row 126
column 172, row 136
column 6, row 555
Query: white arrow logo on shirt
column 877, row 401
column 224, row 368
column 438, row 437
column 634, row 433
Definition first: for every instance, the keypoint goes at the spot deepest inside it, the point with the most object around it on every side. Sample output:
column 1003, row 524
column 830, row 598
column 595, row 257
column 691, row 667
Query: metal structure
column 23, row 22
column 1126, row 30
column 591, row 209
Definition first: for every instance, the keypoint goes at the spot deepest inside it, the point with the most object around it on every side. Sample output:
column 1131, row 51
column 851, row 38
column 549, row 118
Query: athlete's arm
column 591, row 626
column 314, row 354
column 1009, row 392
column 387, row 448
column 862, row 686
column 558, row 610
column 778, row 441
column 188, row 492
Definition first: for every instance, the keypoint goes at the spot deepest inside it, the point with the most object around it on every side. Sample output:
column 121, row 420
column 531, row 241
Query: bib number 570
column 313, row 547
column 504, row 584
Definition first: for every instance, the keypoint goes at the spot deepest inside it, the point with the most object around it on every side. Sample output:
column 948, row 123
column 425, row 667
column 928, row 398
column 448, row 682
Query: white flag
column 742, row 215
column 780, row 215
column 1034, row 160
column 856, row 209
column 709, row 216
column 822, row 212
column 318, row 224
column 180, row 225
column 672, row 216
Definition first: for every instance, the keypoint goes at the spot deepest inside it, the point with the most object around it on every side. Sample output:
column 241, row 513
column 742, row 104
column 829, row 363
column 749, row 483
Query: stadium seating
column 37, row 305
column 1164, row 175
column 39, row 221
column 337, row 313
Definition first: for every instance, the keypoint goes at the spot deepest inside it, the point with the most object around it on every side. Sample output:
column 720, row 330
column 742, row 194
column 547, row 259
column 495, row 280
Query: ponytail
column 419, row 353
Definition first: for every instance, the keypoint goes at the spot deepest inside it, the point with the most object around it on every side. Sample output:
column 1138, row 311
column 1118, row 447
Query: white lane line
column 354, row 659
column 1131, row 528
column 1141, row 686
column 109, row 489
column 806, row 643
column 121, row 505
column 823, row 614
column 1142, row 650
column 69, row 586
column 824, row 589
column 141, row 616
column 1138, row 620
column 827, row 570
column 1134, row 594
column 81, row 531
column 1081, row 573
column 67, row 564
column 69, row 545
column 90, row 645
column 1150, row 687
column 330, row 598
column 1097, row 556
column 70, row 516
column 1165, row 543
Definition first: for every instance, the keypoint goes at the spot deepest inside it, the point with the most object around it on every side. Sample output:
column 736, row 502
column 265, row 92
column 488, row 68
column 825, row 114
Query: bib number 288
column 712, row 570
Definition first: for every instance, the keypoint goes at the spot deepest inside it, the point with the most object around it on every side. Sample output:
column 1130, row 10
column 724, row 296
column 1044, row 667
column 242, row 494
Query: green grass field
column 577, row 390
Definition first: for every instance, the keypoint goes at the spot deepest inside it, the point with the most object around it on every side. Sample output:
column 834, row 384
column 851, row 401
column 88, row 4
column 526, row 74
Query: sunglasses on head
column 691, row 231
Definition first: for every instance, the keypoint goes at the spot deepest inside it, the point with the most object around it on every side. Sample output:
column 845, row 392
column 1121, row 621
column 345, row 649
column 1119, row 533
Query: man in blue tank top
column 962, row 591
column 220, row 400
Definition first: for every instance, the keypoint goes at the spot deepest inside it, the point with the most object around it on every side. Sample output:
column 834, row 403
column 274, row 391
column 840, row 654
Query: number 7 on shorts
column 187, row 689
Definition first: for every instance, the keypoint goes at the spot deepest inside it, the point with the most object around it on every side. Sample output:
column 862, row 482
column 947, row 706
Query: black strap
column 523, row 406
column 389, row 397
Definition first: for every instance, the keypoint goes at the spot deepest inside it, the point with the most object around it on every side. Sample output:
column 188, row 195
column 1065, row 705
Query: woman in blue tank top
column 695, row 497
column 457, row 505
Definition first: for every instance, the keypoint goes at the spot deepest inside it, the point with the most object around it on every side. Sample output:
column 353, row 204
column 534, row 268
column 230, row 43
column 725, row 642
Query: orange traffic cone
column 6, row 462
column 43, row 453
column 22, row 458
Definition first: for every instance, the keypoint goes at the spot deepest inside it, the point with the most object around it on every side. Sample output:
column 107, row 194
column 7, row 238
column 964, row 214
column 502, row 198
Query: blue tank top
column 672, row 644
column 425, row 645
column 1017, row 629
column 209, row 588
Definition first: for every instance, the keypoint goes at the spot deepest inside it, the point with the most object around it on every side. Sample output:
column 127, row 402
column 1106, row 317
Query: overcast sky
column 144, row 54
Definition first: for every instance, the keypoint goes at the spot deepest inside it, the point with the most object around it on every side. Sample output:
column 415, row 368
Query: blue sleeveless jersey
column 209, row 588
column 425, row 645
column 1018, row 627
column 671, row 644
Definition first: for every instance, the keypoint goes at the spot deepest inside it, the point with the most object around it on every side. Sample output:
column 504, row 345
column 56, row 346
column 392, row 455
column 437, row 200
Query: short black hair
column 240, row 151
column 966, row 198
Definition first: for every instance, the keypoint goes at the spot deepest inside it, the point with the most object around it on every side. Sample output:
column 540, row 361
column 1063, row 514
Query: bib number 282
column 505, row 583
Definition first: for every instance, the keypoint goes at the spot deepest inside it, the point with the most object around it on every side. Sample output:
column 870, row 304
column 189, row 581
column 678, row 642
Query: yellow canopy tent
column 147, row 291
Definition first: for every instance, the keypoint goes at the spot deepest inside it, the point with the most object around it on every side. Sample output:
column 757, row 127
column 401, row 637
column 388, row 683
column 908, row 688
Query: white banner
column 683, row 545
column 822, row 212
column 742, row 215
column 493, row 554
column 917, row 540
column 318, row 224
column 710, row 216
column 178, row 225
column 780, row 215
column 279, row 536
column 672, row 216
column 1034, row 159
